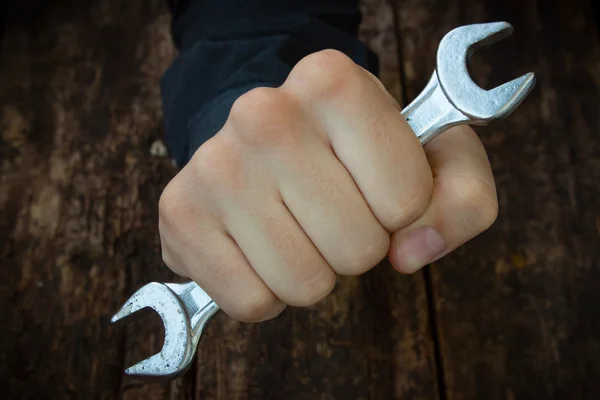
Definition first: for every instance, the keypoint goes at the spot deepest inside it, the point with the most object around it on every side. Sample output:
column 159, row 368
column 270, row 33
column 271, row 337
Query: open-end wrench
column 450, row 98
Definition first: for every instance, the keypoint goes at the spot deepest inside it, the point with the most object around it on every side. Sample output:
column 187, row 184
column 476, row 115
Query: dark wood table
column 514, row 314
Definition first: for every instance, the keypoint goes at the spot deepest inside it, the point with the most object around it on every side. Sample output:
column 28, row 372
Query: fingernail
column 417, row 248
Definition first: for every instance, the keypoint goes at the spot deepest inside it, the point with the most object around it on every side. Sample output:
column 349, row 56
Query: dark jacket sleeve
column 228, row 47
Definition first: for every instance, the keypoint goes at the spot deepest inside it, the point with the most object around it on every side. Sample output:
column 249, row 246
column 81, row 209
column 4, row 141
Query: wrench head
column 453, row 54
column 176, row 353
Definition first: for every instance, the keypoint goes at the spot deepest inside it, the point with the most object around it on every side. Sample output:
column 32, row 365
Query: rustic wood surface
column 516, row 310
column 511, row 315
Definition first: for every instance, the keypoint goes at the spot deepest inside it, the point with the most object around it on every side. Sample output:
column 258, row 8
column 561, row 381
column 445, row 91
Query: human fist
column 318, row 177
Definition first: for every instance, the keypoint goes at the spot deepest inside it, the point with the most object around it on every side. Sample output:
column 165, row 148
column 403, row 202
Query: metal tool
column 184, row 309
column 450, row 98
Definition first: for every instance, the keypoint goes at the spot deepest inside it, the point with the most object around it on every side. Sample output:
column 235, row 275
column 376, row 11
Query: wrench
column 450, row 98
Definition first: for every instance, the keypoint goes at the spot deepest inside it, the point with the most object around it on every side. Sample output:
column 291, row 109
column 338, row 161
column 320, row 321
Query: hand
column 321, row 176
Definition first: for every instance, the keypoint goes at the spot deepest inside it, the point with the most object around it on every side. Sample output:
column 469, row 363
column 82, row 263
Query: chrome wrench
column 450, row 98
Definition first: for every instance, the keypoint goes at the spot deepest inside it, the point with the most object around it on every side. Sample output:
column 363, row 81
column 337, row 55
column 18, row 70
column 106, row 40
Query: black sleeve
column 228, row 47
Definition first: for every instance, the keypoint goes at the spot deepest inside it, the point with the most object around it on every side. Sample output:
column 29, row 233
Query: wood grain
column 79, row 109
column 516, row 309
column 511, row 315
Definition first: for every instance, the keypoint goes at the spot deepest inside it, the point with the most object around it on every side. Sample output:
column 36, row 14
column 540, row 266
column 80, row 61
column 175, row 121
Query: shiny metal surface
column 452, row 98
column 184, row 309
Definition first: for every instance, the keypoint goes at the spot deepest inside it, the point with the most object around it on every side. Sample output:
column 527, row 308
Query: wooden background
column 512, row 315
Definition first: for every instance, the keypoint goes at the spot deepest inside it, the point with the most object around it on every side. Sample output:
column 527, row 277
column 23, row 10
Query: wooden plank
column 516, row 309
column 368, row 340
column 421, row 26
column 79, row 108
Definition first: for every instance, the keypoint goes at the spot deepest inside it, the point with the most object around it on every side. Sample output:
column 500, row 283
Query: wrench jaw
column 479, row 104
column 511, row 94
column 178, row 351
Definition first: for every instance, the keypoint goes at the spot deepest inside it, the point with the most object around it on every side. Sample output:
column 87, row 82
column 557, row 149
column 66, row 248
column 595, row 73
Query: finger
column 368, row 135
column 327, row 204
column 239, row 166
column 311, row 182
column 280, row 252
column 219, row 266
column 464, row 202
column 195, row 245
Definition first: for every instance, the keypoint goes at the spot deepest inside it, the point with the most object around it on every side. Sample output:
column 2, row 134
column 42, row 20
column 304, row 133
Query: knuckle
column 479, row 203
column 256, row 107
column 313, row 289
column 217, row 164
column 169, row 203
column 326, row 74
column 360, row 259
column 260, row 99
column 263, row 117
column 258, row 306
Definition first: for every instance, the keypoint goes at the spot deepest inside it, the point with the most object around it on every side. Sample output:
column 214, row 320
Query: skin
column 317, row 178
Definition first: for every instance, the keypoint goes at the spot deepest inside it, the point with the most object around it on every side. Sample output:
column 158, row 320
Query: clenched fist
column 318, row 177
